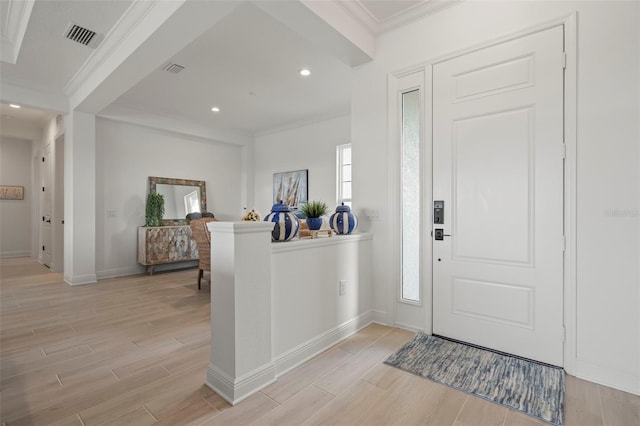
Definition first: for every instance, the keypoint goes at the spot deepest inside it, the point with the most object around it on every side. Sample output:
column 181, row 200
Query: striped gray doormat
column 529, row 387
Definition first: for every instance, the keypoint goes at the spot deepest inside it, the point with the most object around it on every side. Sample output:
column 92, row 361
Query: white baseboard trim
column 54, row 268
column 234, row 391
column 139, row 269
column 614, row 378
column 119, row 272
column 296, row 356
column 80, row 279
column 379, row 317
column 19, row 253
column 408, row 327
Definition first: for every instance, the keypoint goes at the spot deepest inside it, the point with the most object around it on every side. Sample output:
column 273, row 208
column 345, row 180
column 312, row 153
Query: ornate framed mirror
column 181, row 196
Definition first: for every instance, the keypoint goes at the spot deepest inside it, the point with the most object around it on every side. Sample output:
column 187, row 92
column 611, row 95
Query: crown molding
column 305, row 122
column 132, row 17
column 14, row 28
column 415, row 13
column 360, row 12
column 129, row 113
column 32, row 97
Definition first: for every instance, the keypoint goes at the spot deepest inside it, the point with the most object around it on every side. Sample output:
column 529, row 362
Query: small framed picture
column 8, row 192
column 291, row 187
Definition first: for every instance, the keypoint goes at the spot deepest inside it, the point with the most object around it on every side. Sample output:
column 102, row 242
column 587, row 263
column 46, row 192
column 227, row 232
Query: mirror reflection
column 181, row 197
column 179, row 200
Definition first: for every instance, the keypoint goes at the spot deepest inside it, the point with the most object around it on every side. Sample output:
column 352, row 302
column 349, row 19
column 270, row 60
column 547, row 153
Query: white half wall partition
column 275, row 305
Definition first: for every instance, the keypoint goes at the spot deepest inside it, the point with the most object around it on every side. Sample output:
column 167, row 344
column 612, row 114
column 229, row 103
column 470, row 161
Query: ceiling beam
column 146, row 38
column 14, row 26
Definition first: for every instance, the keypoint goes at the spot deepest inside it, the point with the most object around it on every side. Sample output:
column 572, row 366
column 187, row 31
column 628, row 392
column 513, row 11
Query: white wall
column 126, row 155
column 20, row 130
column 306, row 303
column 311, row 147
column 15, row 215
column 608, row 323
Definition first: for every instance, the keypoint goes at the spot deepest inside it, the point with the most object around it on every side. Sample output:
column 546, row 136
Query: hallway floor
column 134, row 350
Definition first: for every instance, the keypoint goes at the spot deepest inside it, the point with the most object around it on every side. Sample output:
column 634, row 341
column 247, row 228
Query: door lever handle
column 439, row 234
column 48, row 221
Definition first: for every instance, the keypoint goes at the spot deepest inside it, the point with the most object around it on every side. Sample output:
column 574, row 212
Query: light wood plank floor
column 134, row 351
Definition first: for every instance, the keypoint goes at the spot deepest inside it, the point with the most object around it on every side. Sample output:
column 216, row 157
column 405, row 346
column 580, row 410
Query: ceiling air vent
column 173, row 68
column 83, row 35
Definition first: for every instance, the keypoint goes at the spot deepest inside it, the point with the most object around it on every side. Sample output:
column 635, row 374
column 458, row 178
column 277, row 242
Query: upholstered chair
column 202, row 236
column 198, row 215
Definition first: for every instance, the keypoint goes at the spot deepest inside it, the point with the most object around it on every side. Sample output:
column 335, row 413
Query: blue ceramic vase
column 285, row 223
column 343, row 222
column 314, row 223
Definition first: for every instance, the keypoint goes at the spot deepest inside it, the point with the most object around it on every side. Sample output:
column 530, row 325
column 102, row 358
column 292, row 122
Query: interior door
column 498, row 169
column 45, row 207
column 58, row 208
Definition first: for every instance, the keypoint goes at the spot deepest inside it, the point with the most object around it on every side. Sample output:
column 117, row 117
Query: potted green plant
column 154, row 210
column 314, row 210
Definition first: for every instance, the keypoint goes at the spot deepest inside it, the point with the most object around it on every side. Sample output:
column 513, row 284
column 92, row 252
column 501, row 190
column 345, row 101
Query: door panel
column 45, row 207
column 498, row 166
column 490, row 301
column 494, row 78
column 481, row 147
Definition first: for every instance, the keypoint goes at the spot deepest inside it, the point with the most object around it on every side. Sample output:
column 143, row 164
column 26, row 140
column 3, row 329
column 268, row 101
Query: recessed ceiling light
column 14, row 106
column 305, row 72
column 215, row 109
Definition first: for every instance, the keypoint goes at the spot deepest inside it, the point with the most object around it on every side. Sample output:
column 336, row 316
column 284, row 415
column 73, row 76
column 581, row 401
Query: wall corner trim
column 80, row 279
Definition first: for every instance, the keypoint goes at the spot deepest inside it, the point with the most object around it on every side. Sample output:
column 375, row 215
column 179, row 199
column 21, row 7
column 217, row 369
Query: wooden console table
column 159, row 245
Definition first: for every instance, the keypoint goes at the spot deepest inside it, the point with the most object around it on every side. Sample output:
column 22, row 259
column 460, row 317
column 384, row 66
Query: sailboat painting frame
column 291, row 187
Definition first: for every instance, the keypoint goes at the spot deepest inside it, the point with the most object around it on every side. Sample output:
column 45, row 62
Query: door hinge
column 43, row 189
column 563, row 150
column 564, row 60
column 42, row 248
column 43, row 159
column 564, row 243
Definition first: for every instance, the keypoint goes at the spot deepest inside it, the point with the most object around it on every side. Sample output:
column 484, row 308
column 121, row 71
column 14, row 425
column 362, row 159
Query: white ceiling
column 247, row 64
column 47, row 60
column 24, row 116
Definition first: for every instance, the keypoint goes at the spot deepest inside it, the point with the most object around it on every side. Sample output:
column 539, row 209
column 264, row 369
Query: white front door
column 498, row 167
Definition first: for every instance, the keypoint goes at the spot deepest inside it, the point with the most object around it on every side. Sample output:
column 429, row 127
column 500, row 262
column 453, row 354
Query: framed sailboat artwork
column 291, row 187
